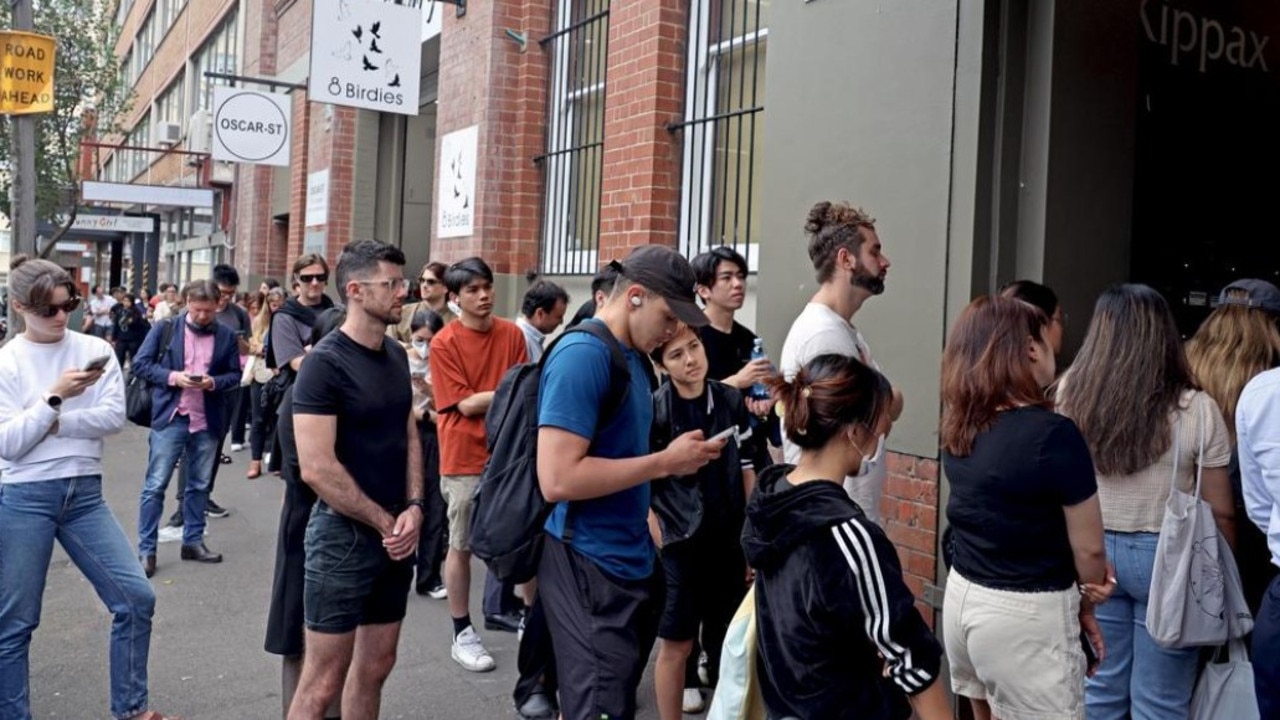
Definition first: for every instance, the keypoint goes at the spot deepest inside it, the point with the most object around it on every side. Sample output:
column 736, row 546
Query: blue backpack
column 509, row 511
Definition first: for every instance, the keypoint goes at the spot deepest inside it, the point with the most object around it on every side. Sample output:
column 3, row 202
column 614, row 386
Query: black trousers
column 239, row 414
column 602, row 629
column 263, row 424
column 1266, row 654
column 536, row 661
column 433, row 540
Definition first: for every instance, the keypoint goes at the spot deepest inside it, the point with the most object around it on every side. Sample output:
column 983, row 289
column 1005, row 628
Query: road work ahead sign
column 26, row 73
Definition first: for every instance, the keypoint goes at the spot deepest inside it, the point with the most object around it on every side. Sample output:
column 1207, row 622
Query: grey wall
column 859, row 108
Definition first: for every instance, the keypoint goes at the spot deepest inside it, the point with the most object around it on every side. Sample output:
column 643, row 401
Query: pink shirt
column 197, row 355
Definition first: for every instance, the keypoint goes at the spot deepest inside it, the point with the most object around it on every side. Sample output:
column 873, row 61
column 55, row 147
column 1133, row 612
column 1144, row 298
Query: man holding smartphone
column 189, row 379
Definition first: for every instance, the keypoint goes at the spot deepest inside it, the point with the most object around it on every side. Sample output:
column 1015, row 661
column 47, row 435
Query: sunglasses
column 430, row 282
column 67, row 307
column 307, row 279
column 227, row 293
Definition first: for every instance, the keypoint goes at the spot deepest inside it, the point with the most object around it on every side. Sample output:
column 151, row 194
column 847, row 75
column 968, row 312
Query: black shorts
column 706, row 581
column 350, row 578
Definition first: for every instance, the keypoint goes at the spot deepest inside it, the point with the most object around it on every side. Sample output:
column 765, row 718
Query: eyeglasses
column 227, row 293
column 307, row 279
column 429, row 282
column 67, row 307
column 396, row 284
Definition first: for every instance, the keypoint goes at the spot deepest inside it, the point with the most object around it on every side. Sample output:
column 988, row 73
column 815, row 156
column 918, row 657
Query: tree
column 90, row 100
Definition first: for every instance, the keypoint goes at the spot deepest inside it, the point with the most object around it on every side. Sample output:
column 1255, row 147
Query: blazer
column 153, row 364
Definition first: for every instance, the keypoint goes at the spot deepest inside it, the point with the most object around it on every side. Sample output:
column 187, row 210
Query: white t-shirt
column 819, row 330
column 102, row 305
column 28, row 453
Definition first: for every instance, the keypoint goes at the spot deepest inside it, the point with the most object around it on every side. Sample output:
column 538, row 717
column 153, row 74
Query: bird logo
column 368, row 66
column 359, row 33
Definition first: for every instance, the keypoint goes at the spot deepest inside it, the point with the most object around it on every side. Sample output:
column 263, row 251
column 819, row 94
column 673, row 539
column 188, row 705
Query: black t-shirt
column 727, row 352
column 722, row 507
column 1007, row 500
column 369, row 392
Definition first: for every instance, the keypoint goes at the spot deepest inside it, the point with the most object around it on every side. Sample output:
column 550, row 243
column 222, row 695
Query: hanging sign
column 26, row 73
column 317, row 208
column 366, row 54
column 251, row 127
column 456, row 185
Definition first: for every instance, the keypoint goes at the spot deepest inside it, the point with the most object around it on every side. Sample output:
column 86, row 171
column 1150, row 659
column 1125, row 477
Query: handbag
column 246, row 373
column 137, row 391
column 737, row 694
column 1226, row 689
column 1188, row 605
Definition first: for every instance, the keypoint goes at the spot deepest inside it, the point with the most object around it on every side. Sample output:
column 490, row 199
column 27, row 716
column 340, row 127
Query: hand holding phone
column 724, row 434
column 196, row 378
column 98, row 363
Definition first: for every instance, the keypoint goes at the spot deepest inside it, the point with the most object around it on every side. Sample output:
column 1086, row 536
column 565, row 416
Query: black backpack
column 509, row 511
column 137, row 391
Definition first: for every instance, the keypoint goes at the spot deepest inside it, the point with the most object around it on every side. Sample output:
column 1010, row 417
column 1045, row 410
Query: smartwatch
column 54, row 402
column 418, row 503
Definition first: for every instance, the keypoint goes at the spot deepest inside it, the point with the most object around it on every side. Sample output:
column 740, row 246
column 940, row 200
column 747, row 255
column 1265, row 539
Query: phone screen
column 97, row 363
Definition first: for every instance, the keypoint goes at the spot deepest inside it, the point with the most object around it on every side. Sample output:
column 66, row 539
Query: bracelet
column 418, row 503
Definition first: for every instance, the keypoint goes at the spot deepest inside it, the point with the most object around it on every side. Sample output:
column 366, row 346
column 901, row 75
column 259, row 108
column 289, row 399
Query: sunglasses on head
column 67, row 307
column 307, row 279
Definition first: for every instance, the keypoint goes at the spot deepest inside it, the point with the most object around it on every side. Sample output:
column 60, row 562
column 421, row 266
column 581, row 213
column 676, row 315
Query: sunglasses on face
column 67, row 307
column 429, row 282
column 307, row 279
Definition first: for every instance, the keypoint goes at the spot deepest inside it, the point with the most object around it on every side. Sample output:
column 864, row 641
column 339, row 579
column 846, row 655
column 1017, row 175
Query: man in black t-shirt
column 358, row 449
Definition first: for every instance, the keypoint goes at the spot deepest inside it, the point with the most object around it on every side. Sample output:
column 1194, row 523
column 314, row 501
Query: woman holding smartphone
column 61, row 393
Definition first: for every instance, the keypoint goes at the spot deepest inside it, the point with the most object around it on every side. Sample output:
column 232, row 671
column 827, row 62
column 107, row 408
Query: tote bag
column 1225, row 689
column 738, row 691
column 1188, row 604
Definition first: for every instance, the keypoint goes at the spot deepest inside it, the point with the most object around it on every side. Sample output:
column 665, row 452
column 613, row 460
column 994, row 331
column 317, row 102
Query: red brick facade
column 909, row 514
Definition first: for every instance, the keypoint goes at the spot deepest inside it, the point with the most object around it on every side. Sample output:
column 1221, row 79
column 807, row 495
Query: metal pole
column 22, row 193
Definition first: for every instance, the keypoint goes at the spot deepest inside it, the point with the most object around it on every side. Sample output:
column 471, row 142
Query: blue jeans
column 72, row 511
column 1266, row 653
column 1138, row 679
column 199, row 451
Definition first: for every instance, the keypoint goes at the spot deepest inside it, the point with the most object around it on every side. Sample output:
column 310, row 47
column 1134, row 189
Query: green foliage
column 86, row 79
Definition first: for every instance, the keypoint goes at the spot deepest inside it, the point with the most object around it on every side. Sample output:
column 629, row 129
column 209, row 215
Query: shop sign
column 114, row 223
column 317, row 212
column 366, row 54
column 1200, row 40
column 251, row 127
column 457, row 183
column 26, row 73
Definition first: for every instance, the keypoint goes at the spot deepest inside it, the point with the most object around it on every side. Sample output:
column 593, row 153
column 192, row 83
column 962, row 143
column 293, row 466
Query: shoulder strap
column 165, row 338
column 619, row 370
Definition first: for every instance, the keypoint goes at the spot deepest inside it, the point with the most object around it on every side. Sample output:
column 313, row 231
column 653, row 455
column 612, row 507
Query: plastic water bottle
column 758, row 391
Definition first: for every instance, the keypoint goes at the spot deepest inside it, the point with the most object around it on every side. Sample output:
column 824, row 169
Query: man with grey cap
column 596, row 580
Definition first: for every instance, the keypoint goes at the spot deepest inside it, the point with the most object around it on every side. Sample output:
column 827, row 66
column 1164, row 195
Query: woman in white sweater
column 61, row 393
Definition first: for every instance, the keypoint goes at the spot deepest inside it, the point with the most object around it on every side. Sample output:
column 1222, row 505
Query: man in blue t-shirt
column 596, row 579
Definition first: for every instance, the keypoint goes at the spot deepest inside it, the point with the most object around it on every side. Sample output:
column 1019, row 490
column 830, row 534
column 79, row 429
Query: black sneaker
column 214, row 510
column 175, row 520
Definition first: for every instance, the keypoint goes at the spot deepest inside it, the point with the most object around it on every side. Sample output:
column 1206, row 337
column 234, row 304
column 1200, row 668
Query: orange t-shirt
column 465, row 362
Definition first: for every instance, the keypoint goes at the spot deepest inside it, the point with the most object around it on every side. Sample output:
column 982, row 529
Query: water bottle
column 758, row 391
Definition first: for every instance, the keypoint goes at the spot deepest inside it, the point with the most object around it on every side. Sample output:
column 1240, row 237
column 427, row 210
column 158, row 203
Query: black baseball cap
column 666, row 273
column 1261, row 294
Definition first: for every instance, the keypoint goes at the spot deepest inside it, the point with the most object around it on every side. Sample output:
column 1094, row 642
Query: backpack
column 509, row 511
column 137, row 392
column 737, row 694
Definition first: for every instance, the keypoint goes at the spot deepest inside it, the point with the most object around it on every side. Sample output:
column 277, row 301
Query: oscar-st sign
column 366, row 54
column 251, row 127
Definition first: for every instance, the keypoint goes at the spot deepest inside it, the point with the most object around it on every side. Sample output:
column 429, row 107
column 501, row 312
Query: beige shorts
column 459, row 493
column 1018, row 651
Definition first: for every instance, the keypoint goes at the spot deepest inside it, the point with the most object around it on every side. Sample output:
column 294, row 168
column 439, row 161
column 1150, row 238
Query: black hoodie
column 830, row 603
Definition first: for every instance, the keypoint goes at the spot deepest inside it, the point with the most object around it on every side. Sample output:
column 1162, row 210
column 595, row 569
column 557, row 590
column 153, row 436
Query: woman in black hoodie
column 839, row 635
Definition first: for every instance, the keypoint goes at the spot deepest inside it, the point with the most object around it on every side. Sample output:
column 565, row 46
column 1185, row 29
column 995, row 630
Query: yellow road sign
column 26, row 73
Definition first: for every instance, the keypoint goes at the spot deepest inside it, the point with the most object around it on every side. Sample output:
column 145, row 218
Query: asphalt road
column 207, row 661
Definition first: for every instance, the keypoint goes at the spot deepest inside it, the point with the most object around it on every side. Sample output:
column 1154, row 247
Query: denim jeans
column 1266, row 653
column 198, row 451
column 72, row 511
column 1138, row 679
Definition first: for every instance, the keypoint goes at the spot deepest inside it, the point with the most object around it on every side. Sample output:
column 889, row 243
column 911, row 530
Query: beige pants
column 459, row 493
column 1018, row 651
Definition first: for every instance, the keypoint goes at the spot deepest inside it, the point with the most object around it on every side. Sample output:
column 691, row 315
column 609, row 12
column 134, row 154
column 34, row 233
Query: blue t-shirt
column 613, row 531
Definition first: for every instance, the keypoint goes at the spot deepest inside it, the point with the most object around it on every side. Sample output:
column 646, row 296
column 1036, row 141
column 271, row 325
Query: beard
column 873, row 284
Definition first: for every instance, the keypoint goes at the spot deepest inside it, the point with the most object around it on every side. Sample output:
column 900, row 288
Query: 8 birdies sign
column 251, row 127
column 366, row 54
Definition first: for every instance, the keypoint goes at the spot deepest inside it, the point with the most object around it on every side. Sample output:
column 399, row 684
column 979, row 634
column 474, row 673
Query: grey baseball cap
column 1261, row 294
column 665, row 272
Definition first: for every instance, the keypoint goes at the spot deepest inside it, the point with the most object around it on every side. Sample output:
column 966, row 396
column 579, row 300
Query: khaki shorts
column 459, row 492
column 1018, row 651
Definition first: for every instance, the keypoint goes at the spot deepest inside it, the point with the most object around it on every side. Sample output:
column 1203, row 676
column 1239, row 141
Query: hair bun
column 818, row 217
column 18, row 260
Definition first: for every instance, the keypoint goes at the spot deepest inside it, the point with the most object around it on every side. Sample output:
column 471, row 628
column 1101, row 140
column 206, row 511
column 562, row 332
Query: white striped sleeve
column 892, row 623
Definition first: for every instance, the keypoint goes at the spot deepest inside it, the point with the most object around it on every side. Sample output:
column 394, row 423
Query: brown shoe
column 148, row 565
column 255, row 469
column 200, row 553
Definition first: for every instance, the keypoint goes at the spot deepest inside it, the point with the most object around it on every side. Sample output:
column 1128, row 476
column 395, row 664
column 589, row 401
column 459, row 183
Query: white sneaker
column 703, row 674
column 439, row 592
column 169, row 534
column 266, row 459
column 469, row 652
column 237, row 447
column 693, row 702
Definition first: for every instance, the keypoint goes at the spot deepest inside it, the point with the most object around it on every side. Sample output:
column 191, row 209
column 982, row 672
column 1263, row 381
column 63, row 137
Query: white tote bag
column 1225, row 690
column 1187, row 606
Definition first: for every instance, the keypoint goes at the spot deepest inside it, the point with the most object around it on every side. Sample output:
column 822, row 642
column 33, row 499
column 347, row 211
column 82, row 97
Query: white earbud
column 635, row 301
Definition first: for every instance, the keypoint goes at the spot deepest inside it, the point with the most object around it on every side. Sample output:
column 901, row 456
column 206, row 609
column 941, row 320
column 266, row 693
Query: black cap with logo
column 666, row 273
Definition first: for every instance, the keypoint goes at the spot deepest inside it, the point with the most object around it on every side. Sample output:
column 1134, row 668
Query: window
column 573, row 160
column 126, row 70
column 219, row 54
column 134, row 162
column 122, row 11
column 171, row 105
column 169, row 12
column 723, row 130
column 144, row 43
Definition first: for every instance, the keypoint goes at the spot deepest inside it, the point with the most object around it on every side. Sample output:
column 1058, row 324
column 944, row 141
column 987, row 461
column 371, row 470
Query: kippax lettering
column 1200, row 39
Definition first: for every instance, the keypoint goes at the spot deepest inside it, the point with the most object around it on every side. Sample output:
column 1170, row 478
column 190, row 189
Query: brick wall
column 909, row 514
column 640, row 202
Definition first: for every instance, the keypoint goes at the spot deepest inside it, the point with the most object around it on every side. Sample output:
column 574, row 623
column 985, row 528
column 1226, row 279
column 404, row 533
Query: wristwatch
column 54, row 402
column 418, row 503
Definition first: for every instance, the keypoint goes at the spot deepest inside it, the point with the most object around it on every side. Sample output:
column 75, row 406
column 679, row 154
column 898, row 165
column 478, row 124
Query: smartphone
column 196, row 378
column 97, row 363
column 724, row 435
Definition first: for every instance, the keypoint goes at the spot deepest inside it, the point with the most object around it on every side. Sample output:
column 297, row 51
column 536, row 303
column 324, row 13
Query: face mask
column 423, row 348
column 870, row 463
column 454, row 308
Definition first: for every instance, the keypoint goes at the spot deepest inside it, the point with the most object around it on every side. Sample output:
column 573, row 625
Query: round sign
column 251, row 126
